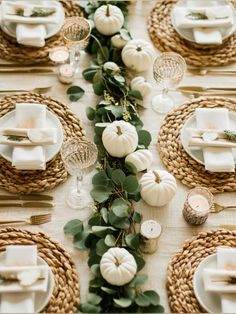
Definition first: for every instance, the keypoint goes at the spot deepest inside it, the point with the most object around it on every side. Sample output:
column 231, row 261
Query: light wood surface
column 175, row 229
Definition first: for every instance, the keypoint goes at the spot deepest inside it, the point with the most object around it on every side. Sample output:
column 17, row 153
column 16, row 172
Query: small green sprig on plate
column 230, row 135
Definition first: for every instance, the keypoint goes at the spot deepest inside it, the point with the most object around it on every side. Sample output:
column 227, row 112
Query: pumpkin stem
column 139, row 48
column 108, row 10
column 117, row 262
column 119, row 132
column 157, row 177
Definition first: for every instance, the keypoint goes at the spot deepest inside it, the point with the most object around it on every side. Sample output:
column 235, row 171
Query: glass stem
column 164, row 92
column 79, row 180
column 74, row 55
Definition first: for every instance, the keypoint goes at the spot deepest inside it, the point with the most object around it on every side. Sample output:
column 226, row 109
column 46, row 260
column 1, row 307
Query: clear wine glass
column 76, row 32
column 78, row 156
column 168, row 71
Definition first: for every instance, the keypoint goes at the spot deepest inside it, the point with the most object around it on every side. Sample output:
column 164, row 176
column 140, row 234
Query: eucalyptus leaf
column 119, row 78
column 101, row 247
column 94, row 298
column 122, row 223
column 79, row 240
column 135, row 94
column 93, row 259
column 90, row 112
column 89, row 73
column 102, row 55
column 138, row 281
column 100, row 178
column 75, row 93
column 73, row 227
column 125, row 34
column 108, row 290
column 98, row 88
column 110, row 240
column 118, row 177
column 120, row 208
column 89, row 308
column 104, row 214
column 142, row 300
column 123, row 302
column 131, row 167
column 97, row 282
column 131, row 184
column 102, row 231
column 132, row 241
column 154, row 309
column 137, row 217
column 117, row 111
column 100, row 193
column 144, row 138
column 95, row 269
column 154, row 298
column 139, row 260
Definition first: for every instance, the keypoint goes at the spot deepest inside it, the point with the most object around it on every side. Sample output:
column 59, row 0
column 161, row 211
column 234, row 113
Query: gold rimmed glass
column 168, row 71
column 76, row 32
column 78, row 156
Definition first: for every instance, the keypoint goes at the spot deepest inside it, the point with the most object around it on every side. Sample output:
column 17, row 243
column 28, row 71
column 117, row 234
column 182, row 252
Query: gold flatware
column 39, row 90
column 205, row 88
column 198, row 142
column 201, row 71
column 33, row 197
column 33, row 220
column 27, row 204
column 198, row 94
column 229, row 227
column 218, row 208
column 27, row 70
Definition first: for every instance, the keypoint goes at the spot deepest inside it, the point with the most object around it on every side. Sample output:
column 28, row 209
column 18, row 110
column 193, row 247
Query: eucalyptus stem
column 99, row 44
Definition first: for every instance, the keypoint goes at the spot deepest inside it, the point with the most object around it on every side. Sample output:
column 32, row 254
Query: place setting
column 203, row 33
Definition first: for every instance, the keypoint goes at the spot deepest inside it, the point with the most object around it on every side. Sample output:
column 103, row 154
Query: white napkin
column 225, row 258
column 29, row 116
column 216, row 159
column 31, row 35
column 19, row 302
column 207, row 36
column 218, row 16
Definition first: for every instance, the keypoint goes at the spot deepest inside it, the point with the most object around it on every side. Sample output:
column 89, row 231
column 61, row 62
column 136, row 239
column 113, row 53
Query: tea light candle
column 198, row 205
column 150, row 231
column 66, row 73
column 59, row 54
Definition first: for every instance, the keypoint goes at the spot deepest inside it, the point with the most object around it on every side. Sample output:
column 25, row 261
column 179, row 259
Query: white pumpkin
column 118, row 266
column 140, row 84
column 138, row 55
column 120, row 138
column 118, row 42
column 141, row 159
column 157, row 187
column 108, row 19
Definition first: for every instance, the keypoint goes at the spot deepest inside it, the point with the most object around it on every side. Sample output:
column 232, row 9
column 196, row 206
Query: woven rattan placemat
column 19, row 181
column 65, row 297
column 178, row 162
column 165, row 38
column 12, row 51
column 183, row 265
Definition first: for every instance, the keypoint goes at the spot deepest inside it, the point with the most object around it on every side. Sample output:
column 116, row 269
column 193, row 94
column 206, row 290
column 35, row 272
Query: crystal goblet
column 168, row 71
column 76, row 32
column 78, row 156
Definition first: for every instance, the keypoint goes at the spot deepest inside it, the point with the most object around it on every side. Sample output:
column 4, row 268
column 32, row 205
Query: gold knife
column 27, row 70
column 28, row 204
column 204, row 88
column 33, row 197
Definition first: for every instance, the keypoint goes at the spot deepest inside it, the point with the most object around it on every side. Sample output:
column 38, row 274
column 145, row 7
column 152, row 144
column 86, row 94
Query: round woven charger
column 12, row 51
column 183, row 265
column 65, row 296
column 178, row 162
column 165, row 38
column 22, row 181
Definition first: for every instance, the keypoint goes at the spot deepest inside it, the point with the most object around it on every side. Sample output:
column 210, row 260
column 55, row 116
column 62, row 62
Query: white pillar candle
column 150, row 231
column 59, row 54
column 198, row 205
column 66, row 73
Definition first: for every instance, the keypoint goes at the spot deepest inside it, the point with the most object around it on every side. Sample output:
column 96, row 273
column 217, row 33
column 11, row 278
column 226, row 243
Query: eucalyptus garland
column 115, row 185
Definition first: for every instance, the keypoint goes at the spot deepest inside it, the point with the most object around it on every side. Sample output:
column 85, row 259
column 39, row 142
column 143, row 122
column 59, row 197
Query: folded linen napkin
column 210, row 36
column 226, row 259
column 19, row 302
column 216, row 159
column 29, row 116
column 9, row 12
column 217, row 16
column 31, row 35
column 218, row 280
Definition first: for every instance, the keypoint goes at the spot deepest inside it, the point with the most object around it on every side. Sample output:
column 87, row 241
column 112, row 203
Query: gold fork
column 39, row 90
column 218, row 208
column 33, row 220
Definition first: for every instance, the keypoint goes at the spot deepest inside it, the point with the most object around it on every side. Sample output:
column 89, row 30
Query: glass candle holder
column 66, row 73
column 150, row 231
column 198, row 205
column 59, row 55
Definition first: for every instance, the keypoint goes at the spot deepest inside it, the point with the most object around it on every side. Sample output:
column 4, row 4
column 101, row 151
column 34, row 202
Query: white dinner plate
column 210, row 301
column 52, row 29
column 196, row 152
column 188, row 33
column 41, row 298
column 52, row 121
